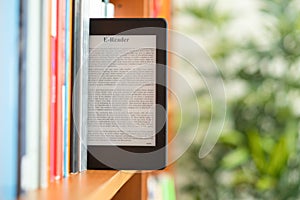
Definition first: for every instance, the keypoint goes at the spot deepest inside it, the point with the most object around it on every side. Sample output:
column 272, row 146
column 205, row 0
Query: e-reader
column 127, row 94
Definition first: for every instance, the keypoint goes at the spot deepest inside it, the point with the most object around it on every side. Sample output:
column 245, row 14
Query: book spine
column 76, row 38
column 80, row 73
column 22, row 90
column 67, row 102
column 70, row 86
column 49, row 87
column 9, row 56
column 53, row 90
column 65, row 95
column 60, row 84
column 45, row 95
column 30, row 162
column 84, row 85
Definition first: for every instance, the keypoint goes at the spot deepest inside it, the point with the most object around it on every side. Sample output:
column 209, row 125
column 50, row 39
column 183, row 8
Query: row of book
column 44, row 49
column 44, row 55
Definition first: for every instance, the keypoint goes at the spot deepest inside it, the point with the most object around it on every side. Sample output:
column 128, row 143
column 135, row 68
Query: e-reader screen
column 127, row 94
column 122, row 90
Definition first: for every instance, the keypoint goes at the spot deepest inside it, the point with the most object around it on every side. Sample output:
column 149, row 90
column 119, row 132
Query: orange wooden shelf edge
column 88, row 185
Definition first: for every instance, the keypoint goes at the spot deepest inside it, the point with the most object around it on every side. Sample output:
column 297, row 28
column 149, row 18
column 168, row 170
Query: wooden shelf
column 87, row 185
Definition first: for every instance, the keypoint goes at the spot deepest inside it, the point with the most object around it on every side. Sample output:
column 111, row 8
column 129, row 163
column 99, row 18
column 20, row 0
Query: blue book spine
column 9, row 71
column 66, row 104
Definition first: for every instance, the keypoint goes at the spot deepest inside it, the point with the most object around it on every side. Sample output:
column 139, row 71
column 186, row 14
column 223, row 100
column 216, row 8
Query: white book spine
column 84, row 86
column 30, row 162
column 45, row 98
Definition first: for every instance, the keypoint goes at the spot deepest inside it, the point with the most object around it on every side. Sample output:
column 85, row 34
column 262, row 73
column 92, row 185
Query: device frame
column 145, row 157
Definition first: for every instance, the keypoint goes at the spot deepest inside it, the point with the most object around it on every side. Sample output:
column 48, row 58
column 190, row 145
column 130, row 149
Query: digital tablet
column 127, row 94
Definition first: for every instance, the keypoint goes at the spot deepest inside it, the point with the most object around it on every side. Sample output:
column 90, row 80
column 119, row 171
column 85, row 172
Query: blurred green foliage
column 258, row 154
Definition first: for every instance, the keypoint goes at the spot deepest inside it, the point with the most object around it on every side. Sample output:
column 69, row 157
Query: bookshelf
column 108, row 184
column 132, row 8
column 90, row 184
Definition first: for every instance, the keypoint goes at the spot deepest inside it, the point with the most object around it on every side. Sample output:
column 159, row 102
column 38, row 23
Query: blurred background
column 256, row 46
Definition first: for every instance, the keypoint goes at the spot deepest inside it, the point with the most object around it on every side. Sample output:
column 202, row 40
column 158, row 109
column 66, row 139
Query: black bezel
column 146, row 161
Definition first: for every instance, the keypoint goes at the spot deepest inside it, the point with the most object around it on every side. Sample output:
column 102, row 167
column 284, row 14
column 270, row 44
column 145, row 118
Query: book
column 30, row 161
column 45, row 95
column 70, row 63
column 53, row 60
column 67, row 94
column 74, row 138
column 78, row 160
column 60, row 73
column 84, row 86
column 22, row 90
column 9, row 80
